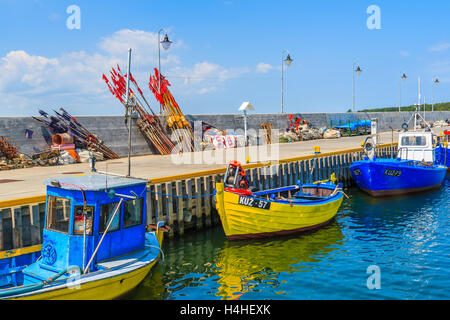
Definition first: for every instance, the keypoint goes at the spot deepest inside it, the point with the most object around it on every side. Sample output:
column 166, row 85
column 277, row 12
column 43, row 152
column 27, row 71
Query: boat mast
column 417, row 113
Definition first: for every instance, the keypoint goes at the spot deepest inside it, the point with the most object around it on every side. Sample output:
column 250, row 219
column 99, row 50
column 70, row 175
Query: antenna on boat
column 416, row 112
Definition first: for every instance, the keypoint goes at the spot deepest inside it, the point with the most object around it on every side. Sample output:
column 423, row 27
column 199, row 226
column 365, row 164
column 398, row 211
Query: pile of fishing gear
column 62, row 125
column 148, row 123
column 180, row 128
column 8, row 148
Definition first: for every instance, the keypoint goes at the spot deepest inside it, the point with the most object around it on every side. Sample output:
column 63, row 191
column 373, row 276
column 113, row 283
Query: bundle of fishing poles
column 180, row 128
column 63, row 122
column 148, row 123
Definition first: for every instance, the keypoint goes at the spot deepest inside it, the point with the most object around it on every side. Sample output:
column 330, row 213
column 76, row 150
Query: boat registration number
column 252, row 202
column 392, row 173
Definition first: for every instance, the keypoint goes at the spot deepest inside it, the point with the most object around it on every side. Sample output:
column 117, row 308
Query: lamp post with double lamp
column 357, row 71
column 166, row 45
column 435, row 83
column 402, row 77
column 288, row 61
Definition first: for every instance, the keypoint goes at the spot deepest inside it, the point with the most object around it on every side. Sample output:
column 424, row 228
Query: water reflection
column 407, row 237
column 243, row 266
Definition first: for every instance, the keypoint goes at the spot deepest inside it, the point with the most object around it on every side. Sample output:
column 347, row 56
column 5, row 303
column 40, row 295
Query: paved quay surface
column 30, row 180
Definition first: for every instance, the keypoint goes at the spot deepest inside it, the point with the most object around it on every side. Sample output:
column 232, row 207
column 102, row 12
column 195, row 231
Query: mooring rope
column 185, row 197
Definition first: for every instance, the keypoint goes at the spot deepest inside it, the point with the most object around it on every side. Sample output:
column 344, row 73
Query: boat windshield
column 414, row 141
column 58, row 214
column 79, row 223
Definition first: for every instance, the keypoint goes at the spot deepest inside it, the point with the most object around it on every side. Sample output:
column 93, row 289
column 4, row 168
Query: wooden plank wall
column 188, row 203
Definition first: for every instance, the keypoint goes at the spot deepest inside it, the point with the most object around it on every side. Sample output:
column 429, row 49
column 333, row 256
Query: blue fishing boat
column 414, row 169
column 95, row 242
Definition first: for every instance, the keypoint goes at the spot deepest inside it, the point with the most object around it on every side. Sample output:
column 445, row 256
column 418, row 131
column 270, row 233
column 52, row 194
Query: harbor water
column 402, row 242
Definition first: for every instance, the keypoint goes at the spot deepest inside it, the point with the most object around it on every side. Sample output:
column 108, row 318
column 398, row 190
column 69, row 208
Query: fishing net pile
column 64, row 126
column 148, row 123
column 179, row 127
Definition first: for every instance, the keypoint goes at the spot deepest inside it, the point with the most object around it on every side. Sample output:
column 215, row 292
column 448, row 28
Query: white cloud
column 204, row 77
column 439, row 47
column 404, row 53
column 263, row 67
column 28, row 81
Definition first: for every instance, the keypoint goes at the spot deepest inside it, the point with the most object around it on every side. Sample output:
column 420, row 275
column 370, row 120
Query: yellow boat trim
column 22, row 201
column 17, row 252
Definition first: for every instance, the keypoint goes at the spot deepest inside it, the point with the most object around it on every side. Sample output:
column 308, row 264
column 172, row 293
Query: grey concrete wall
column 111, row 129
column 281, row 121
column 114, row 133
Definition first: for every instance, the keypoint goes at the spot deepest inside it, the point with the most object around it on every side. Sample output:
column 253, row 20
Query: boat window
column 132, row 212
column 106, row 213
column 58, row 214
column 414, row 141
column 78, row 223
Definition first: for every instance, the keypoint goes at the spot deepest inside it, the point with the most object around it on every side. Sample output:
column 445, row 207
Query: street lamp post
column 166, row 45
column 129, row 110
column 435, row 83
column 358, row 71
column 402, row 77
column 288, row 61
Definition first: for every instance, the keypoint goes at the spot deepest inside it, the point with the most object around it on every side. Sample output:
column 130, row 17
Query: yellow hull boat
column 95, row 244
column 278, row 211
column 105, row 284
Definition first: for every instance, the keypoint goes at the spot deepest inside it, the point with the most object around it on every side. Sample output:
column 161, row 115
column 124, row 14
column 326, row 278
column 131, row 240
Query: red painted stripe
column 275, row 233
column 385, row 193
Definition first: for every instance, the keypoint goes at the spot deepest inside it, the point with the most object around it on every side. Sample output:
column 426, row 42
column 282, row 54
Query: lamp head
column 404, row 77
column 166, row 42
column 288, row 60
column 358, row 70
column 436, row 82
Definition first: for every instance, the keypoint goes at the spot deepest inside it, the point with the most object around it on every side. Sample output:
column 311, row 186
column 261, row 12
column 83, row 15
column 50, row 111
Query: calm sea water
column 408, row 238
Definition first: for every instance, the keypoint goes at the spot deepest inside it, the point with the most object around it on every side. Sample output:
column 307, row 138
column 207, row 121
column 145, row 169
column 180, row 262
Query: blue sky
column 224, row 53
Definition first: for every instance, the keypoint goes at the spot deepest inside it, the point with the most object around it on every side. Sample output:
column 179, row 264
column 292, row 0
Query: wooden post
column 198, row 203
column 35, row 224
column 190, row 201
column 180, row 207
column 322, row 169
column 16, row 218
column 261, row 180
column 285, row 174
column 2, row 246
column 307, row 171
column 271, row 177
column 169, row 207
column 150, row 206
column 207, row 188
column 159, row 205
column 279, row 170
column 292, row 179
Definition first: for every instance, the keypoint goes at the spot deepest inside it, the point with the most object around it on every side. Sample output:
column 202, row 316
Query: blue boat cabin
column 97, row 196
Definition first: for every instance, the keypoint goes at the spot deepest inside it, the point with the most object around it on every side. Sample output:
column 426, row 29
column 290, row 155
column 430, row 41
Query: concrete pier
column 22, row 195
